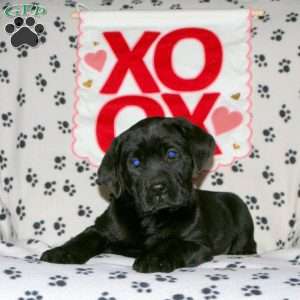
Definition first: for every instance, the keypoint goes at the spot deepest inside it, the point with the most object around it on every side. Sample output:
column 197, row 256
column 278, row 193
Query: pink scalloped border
column 249, row 97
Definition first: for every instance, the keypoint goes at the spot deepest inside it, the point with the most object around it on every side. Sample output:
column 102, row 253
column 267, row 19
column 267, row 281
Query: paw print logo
column 284, row 66
column 8, row 184
column 277, row 35
column 141, row 287
column 156, row 2
column 175, row 6
column 290, row 157
column 260, row 276
column 7, row 120
column 64, row 127
column 31, row 295
column 39, row 227
column 280, row 244
column 3, row 160
column 49, row 188
column 94, row 179
column 292, row 221
column 278, row 199
column 69, row 188
column 180, row 297
column 4, row 76
column 118, row 275
column 21, row 97
column 254, row 153
column 23, row 51
column 54, row 63
column 106, row 296
column 285, row 113
column 82, row 166
column 24, row 32
column 251, row 290
column 84, row 211
column 39, row 131
column 73, row 41
column 292, row 17
column 3, row 47
column 59, row 162
column 260, row 60
column 20, row 210
column 41, row 82
column 126, row 7
column 59, row 227
column 237, row 167
column 166, row 278
column 106, row 2
column 13, row 273
column 84, row 271
column 262, row 222
column 32, row 259
column 58, row 280
column 253, row 31
column 210, row 292
column 21, row 140
column 252, row 202
column 235, row 265
column 293, row 282
column 269, row 134
column 263, row 91
column 217, row 277
column 217, row 178
column 265, row 18
column 60, row 98
column 59, row 24
column 136, row 2
column 31, row 178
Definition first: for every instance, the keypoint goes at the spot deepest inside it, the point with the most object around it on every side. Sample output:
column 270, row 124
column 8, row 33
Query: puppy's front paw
column 150, row 263
column 61, row 255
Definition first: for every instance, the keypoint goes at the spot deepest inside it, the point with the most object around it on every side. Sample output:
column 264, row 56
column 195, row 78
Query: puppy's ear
column 108, row 170
column 202, row 145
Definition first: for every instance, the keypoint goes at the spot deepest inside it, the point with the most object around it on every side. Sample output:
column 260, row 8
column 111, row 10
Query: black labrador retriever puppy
column 155, row 214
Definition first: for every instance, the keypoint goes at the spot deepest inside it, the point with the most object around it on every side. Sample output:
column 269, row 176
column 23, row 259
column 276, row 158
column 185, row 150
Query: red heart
column 96, row 60
column 224, row 121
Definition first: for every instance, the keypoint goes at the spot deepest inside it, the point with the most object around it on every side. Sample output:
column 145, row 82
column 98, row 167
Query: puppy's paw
column 61, row 255
column 150, row 263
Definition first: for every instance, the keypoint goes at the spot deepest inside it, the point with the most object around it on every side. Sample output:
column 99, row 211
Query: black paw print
column 118, row 275
column 60, row 98
column 3, row 48
column 49, row 188
column 217, row 178
column 84, row 211
column 74, row 69
column 106, row 296
column 70, row 3
column 4, row 76
column 59, row 162
column 278, row 199
column 290, row 157
column 292, row 17
column 280, row 244
column 237, row 167
column 32, row 242
column 210, row 292
column 64, row 127
column 58, row 280
column 20, row 210
column 8, row 184
column 54, row 63
column 4, row 214
column 251, row 290
column 39, row 227
column 277, row 35
column 3, row 160
column 235, row 265
column 41, row 82
column 263, row 91
column 39, row 131
column 82, row 166
column 31, row 295
column 217, row 277
column 180, row 297
column 262, row 222
column 32, row 259
column 285, row 113
column 284, row 66
column 292, row 221
column 165, row 278
column 260, row 276
column 24, row 33
column 13, row 273
column 31, row 177
column 69, row 188
column 268, row 175
column 156, row 2
column 141, row 287
column 269, row 134
column 94, row 179
column 260, row 60
column 235, row 2
column 175, row 6
column 59, row 227
column 23, row 51
column 106, row 2
column 253, row 31
column 293, row 282
column 61, row 25
column 126, row 7
column 73, row 41
column 254, row 153
column 84, row 271
column 7, row 119
column 265, row 18
column 21, row 97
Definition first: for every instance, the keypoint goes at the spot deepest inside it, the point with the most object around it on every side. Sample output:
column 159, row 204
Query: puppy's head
column 154, row 162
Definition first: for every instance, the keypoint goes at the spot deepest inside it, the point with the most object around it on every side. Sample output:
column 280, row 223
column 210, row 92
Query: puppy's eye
column 172, row 154
column 135, row 162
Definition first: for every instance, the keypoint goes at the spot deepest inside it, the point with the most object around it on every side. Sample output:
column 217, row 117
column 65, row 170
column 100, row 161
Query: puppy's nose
column 159, row 187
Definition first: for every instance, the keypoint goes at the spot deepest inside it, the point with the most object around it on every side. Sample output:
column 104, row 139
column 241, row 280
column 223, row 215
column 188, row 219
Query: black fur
column 155, row 214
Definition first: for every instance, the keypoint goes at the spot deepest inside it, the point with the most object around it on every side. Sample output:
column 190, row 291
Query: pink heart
column 96, row 60
column 224, row 121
